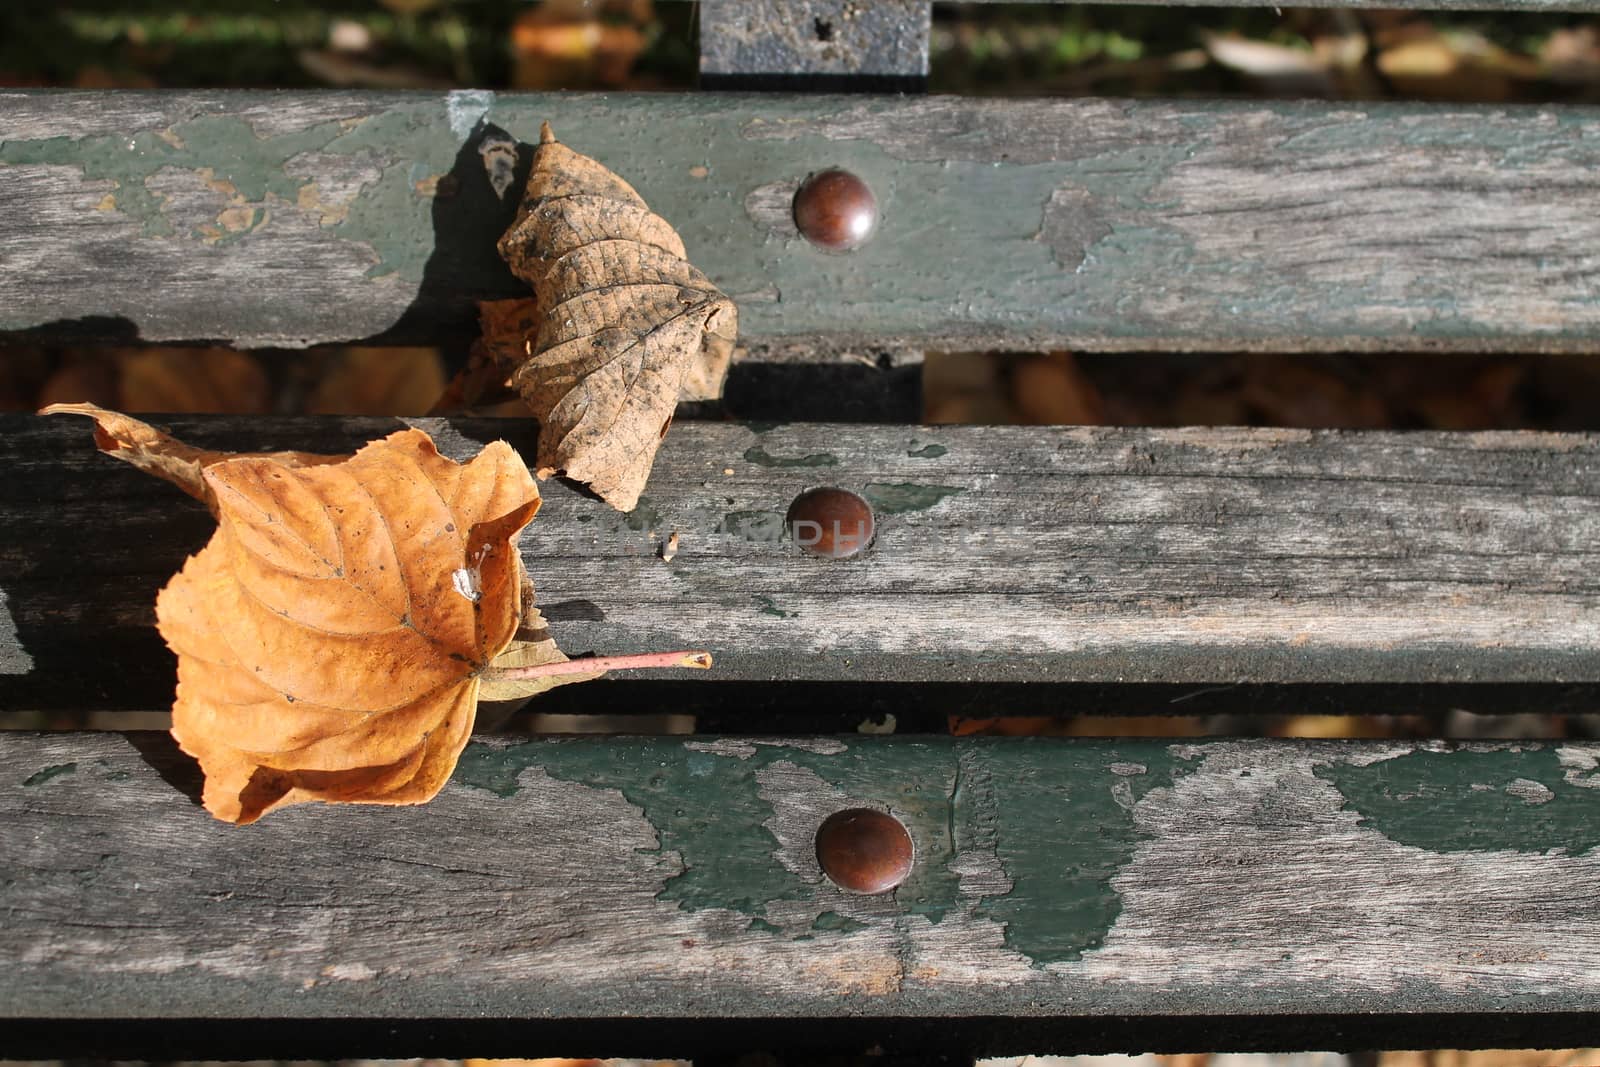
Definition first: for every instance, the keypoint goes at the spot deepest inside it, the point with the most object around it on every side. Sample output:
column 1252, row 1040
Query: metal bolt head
column 835, row 210
column 864, row 851
column 830, row 522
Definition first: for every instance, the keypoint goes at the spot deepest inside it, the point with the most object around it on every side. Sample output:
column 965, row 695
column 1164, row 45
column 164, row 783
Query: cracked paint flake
column 465, row 108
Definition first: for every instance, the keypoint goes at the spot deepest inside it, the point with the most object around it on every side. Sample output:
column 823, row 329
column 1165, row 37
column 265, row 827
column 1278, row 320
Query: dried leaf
column 154, row 452
column 330, row 635
column 215, row 380
column 336, row 633
column 623, row 322
column 379, row 381
column 327, row 649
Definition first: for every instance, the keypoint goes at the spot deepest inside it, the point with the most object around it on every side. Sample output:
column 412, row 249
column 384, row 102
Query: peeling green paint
column 705, row 808
column 927, row 452
column 760, row 458
column 708, row 808
column 494, row 770
column 644, row 516
column 1056, row 817
column 1472, row 801
column 48, row 773
column 217, row 149
column 753, row 525
column 769, row 608
column 1062, row 828
column 832, row 920
column 900, row 497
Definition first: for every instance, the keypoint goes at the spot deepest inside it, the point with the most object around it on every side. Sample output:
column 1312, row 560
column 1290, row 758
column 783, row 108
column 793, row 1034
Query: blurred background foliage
column 637, row 44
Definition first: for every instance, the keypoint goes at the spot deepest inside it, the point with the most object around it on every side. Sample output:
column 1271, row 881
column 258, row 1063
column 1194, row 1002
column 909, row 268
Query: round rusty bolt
column 830, row 522
column 864, row 851
column 835, row 210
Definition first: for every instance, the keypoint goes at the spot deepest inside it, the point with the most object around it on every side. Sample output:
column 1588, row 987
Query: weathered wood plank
column 1201, row 557
column 1065, row 885
column 287, row 219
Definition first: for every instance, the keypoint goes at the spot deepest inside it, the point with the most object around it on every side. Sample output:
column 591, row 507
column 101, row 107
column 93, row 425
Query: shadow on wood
column 161, row 752
column 464, row 266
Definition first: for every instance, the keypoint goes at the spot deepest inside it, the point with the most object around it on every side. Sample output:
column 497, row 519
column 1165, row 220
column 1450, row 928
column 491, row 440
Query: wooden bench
column 662, row 895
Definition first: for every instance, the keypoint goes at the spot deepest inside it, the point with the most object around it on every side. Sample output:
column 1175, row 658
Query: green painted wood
column 1055, row 882
column 1199, row 557
column 292, row 218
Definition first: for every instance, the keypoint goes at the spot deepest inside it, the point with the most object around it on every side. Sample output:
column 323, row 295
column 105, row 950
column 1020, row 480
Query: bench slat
column 293, row 218
column 1263, row 887
column 1003, row 554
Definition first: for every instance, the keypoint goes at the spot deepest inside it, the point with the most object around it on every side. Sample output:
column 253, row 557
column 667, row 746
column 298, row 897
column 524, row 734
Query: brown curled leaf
column 622, row 327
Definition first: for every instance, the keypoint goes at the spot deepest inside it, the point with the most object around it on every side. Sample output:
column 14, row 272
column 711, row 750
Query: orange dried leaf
column 336, row 634
column 331, row 634
column 622, row 326
column 154, row 452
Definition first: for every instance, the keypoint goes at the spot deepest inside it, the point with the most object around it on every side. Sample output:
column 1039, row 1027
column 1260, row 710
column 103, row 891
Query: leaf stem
column 598, row 664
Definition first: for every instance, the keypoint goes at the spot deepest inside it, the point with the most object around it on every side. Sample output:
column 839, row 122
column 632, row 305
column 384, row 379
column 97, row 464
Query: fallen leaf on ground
column 334, row 634
column 79, row 381
column 574, row 44
column 1279, row 67
column 216, row 380
column 379, row 381
column 622, row 326
column 1050, row 390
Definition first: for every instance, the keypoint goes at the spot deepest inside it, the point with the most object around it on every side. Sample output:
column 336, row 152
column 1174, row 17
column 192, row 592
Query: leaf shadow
column 177, row 768
column 467, row 217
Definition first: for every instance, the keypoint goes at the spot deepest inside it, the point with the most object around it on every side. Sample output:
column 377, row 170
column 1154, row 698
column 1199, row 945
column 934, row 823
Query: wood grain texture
column 1205, row 557
column 293, row 218
column 1055, row 882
